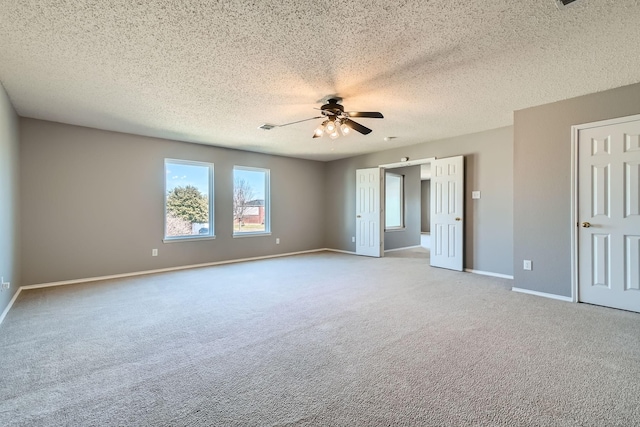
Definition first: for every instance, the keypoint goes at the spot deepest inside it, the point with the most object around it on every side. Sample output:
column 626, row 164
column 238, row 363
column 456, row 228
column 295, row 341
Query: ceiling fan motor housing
column 332, row 108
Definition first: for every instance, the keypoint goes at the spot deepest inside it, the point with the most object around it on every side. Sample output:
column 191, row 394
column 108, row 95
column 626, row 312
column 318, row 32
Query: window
column 394, row 201
column 188, row 203
column 250, row 201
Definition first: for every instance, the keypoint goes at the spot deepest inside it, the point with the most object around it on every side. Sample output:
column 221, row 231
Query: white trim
column 574, row 213
column 574, row 193
column 181, row 239
column 13, row 299
column 608, row 122
column 401, row 249
column 407, row 163
column 163, row 270
column 488, row 273
column 340, row 251
column 543, row 294
column 240, row 235
column 159, row 270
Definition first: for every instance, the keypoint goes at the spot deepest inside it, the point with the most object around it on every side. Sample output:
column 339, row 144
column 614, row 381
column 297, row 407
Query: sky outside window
column 255, row 179
column 179, row 175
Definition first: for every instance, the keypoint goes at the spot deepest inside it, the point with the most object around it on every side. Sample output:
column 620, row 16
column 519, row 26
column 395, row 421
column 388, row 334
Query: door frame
column 396, row 165
column 408, row 163
column 575, row 130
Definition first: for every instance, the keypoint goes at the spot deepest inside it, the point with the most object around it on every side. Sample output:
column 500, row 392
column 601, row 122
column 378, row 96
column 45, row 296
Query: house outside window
column 251, row 215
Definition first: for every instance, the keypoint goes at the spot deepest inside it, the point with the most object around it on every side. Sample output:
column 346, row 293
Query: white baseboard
column 13, row 299
column 488, row 273
column 543, row 294
column 159, row 270
column 339, row 251
column 142, row 273
column 402, row 249
column 164, row 270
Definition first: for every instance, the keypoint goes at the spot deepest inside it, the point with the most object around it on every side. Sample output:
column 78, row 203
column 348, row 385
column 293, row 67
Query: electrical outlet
column 527, row 265
column 475, row 194
column 5, row 285
column 277, row 240
column 154, row 252
column 353, row 239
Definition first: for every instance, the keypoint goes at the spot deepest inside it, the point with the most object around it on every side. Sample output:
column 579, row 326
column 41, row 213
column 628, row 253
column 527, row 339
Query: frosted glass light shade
column 330, row 127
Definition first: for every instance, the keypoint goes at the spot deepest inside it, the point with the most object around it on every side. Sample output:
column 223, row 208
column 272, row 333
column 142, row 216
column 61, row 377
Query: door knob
column 458, row 219
column 586, row 224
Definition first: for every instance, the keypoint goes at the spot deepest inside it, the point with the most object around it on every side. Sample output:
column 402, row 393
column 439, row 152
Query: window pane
column 393, row 201
column 188, row 199
column 250, row 200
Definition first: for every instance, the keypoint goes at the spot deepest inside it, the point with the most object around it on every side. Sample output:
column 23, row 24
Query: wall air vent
column 564, row 3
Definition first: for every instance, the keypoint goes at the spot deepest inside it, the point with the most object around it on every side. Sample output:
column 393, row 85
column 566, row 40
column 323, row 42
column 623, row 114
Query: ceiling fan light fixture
column 334, row 134
column 345, row 129
column 319, row 131
column 330, row 127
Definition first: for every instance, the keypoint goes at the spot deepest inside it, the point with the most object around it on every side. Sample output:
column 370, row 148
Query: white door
column 609, row 215
column 447, row 212
column 368, row 212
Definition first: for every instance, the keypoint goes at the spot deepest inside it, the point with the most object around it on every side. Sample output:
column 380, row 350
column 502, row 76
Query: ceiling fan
column 337, row 121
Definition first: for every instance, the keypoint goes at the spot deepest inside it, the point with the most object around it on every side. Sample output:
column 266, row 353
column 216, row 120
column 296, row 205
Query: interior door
column 447, row 213
column 369, row 212
column 609, row 215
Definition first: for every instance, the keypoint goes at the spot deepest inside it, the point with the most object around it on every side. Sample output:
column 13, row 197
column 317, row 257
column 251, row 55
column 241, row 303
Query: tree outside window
column 188, row 199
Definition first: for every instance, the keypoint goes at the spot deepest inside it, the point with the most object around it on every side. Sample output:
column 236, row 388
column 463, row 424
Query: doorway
column 446, row 209
column 425, row 206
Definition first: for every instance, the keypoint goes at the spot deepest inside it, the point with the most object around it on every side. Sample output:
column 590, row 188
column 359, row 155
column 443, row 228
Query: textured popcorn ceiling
column 213, row 71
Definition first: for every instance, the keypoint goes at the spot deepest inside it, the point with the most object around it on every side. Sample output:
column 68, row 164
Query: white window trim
column 212, row 230
column 267, row 202
column 402, row 225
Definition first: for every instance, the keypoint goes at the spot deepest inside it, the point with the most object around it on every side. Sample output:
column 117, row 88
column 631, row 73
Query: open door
column 447, row 213
column 369, row 212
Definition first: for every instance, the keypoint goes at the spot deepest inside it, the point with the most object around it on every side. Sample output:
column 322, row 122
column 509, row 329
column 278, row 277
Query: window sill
column 262, row 233
column 390, row 230
column 187, row 239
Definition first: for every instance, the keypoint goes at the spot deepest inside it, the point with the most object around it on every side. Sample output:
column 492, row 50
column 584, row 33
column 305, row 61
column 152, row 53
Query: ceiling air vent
column 564, row 3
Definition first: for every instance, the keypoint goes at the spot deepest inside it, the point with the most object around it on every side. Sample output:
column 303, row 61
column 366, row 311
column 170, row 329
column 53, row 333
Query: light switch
column 475, row 194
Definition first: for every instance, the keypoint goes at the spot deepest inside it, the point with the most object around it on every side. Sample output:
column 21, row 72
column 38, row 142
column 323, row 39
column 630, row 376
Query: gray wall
column 542, row 183
column 9, row 246
column 425, row 206
column 410, row 234
column 92, row 203
column 488, row 168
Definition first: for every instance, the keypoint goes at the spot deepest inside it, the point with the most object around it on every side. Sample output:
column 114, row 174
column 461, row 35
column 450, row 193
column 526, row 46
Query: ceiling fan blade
column 357, row 126
column 369, row 114
column 315, row 135
column 299, row 121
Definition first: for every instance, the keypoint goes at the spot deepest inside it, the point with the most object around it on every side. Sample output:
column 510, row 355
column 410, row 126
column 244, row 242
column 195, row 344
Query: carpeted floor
column 315, row 340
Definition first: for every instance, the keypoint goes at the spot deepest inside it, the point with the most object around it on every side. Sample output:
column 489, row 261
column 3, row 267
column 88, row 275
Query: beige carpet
column 322, row 339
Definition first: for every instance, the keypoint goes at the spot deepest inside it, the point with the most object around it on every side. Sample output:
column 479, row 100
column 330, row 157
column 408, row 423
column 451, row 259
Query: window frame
column 211, row 235
column 401, row 201
column 267, row 202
